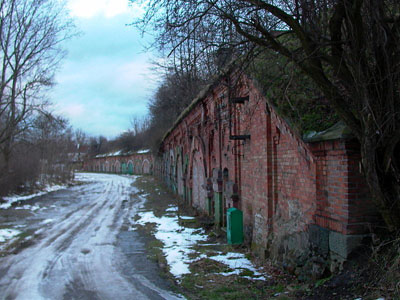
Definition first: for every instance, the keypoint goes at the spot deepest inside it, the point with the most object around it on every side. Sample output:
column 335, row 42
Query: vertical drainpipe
column 270, row 194
column 239, row 153
column 275, row 169
column 218, row 187
column 234, row 126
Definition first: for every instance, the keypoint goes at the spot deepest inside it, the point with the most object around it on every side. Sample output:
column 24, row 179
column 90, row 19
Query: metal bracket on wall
column 240, row 100
column 240, row 137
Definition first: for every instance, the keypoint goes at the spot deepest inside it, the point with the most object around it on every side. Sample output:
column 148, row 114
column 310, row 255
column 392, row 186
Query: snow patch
column 177, row 240
column 14, row 198
column 174, row 208
column 6, row 234
column 29, row 207
column 187, row 218
column 47, row 221
column 239, row 263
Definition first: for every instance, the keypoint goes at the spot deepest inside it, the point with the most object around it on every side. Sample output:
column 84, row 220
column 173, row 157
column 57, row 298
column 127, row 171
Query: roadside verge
column 199, row 261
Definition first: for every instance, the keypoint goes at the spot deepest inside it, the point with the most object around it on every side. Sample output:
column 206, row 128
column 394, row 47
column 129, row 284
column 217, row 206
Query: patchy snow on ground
column 88, row 177
column 29, row 207
column 177, row 240
column 47, row 221
column 187, row 218
column 14, row 198
column 172, row 209
column 6, row 234
column 83, row 177
column 96, row 177
column 239, row 263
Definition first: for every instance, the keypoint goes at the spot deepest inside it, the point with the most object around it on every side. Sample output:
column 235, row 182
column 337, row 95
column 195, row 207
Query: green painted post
column 218, row 208
column 234, row 230
column 174, row 189
column 209, row 203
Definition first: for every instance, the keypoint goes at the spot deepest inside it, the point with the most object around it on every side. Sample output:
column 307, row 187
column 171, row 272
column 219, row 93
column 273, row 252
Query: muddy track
column 76, row 256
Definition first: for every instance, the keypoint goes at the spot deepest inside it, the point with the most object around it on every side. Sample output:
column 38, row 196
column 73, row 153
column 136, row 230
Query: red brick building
column 230, row 148
column 139, row 162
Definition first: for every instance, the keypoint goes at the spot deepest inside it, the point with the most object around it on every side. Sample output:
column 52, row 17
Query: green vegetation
column 294, row 96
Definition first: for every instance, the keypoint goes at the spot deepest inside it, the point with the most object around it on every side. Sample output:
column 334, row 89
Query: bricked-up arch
column 138, row 166
column 171, row 168
column 179, row 175
column 198, row 181
column 198, row 174
column 146, row 166
column 117, row 167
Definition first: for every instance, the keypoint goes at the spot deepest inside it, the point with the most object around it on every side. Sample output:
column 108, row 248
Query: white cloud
column 91, row 8
column 73, row 110
column 106, row 77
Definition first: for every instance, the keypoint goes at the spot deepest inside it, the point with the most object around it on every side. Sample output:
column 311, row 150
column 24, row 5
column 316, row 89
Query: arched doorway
column 124, row 168
column 138, row 167
column 198, row 182
column 130, row 167
column 146, row 167
column 117, row 167
column 179, row 176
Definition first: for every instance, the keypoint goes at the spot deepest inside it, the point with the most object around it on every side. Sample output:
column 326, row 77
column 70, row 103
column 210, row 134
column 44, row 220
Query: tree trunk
column 384, row 191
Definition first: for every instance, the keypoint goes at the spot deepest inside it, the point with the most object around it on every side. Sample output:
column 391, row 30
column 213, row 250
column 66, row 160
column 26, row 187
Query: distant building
column 120, row 162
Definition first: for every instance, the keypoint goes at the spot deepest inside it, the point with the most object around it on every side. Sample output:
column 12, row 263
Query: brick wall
column 342, row 200
column 135, row 163
column 234, row 150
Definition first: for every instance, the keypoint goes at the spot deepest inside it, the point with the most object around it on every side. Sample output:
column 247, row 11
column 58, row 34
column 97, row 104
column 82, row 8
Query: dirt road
column 75, row 245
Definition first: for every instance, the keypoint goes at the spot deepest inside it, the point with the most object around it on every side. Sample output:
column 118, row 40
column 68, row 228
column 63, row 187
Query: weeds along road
column 75, row 245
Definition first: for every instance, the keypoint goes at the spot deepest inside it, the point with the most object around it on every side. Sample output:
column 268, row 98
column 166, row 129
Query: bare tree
column 41, row 155
column 139, row 124
column 80, row 138
column 99, row 145
column 349, row 48
column 31, row 35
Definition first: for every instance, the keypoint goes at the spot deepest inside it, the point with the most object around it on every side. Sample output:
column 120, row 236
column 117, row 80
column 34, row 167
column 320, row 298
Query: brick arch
column 138, row 166
column 146, row 166
column 198, row 174
column 130, row 167
column 165, row 165
column 117, row 165
column 179, row 174
column 171, row 167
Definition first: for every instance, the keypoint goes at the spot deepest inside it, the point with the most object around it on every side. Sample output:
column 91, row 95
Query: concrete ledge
column 343, row 245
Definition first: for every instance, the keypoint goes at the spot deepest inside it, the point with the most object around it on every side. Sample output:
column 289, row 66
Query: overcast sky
column 106, row 77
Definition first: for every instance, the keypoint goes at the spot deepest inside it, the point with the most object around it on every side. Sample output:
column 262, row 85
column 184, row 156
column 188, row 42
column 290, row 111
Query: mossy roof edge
column 201, row 95
column 338, row 131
